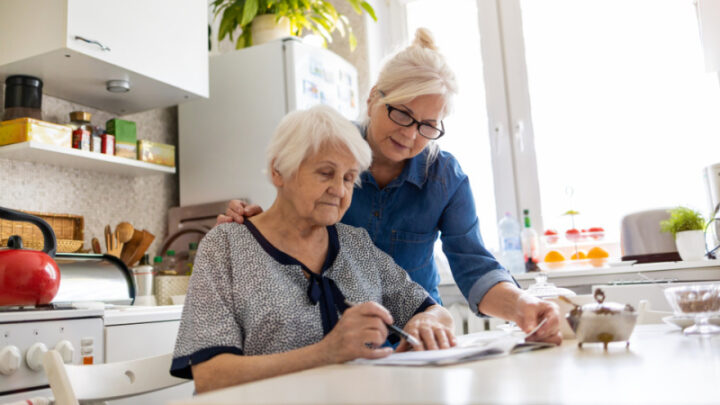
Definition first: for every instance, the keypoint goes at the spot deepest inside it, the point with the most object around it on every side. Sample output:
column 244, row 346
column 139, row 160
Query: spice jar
column 82, row 129
column 23, row 97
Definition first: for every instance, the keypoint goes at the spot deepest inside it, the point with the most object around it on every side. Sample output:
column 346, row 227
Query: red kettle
column 28, row 277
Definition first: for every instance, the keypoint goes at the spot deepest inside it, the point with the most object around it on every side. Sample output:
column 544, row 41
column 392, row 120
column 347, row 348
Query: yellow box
column 30, row 129
column 158, row 153
column 126, row 150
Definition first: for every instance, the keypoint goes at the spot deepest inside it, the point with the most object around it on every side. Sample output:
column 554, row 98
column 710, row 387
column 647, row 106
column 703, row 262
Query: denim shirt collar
column 413, row 172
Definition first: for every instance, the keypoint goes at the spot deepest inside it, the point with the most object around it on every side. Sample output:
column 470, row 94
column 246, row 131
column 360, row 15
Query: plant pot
column 264, row 28
column 690, row 245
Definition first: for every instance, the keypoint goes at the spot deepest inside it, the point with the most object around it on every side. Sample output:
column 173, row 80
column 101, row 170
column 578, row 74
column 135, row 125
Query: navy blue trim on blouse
column 321, row 289
column 181, row 366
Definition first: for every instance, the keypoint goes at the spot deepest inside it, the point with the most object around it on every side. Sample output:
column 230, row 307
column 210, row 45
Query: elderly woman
column 271, row 296
column 414, row 192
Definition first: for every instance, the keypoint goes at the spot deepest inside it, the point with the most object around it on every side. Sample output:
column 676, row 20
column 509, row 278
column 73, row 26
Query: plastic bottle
column 530, row 245
column 170, row 262
column 511, row 254
column 143, row 275
column 158, row 265
column 192, row 250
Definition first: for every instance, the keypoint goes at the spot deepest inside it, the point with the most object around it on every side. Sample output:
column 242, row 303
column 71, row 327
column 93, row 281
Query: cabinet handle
column 92, row 41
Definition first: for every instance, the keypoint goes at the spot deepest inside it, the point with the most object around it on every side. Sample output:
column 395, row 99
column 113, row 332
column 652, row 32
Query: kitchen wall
column 100, row 198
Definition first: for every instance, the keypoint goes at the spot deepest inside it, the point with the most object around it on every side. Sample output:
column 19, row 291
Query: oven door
column 40, row 396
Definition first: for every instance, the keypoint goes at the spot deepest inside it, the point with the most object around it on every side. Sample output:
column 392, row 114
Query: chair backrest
column 72, row 383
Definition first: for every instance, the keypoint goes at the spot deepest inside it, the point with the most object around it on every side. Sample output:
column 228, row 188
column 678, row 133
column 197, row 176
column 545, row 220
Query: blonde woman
column 413, row 192
column 273, row 295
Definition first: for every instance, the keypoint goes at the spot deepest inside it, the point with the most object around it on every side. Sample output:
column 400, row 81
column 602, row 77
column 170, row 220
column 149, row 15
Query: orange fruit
column 578, row 256
column 554, row 256
column 597, row 253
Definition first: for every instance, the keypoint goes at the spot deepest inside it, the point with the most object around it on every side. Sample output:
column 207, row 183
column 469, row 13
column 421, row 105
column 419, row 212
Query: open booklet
column 469, row 348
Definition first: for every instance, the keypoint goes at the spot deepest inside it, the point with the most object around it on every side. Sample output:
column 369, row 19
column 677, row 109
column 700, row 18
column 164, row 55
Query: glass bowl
column 701, row 301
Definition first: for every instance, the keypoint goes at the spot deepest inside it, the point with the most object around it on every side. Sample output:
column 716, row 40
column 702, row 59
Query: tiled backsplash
column 99, row 197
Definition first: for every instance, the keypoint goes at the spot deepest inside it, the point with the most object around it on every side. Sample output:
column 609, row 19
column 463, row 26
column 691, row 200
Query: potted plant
column 292, row 16
column 687, row 226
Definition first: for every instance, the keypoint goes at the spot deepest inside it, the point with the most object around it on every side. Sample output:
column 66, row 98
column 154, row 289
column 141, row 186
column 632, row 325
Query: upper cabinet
column 159, row 47
column 708, row 12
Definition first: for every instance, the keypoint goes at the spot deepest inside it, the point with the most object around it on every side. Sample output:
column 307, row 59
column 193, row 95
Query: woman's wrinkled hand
column 237, row 211
column 530, row 311
column 359, row 334
column 430, row 332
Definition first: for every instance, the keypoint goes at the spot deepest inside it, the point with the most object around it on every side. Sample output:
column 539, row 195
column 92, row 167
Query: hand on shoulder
column 237, row 211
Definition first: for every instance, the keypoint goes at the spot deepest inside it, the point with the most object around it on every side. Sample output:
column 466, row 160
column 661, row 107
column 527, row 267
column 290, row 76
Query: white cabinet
column 708, row 12
column 159, row 46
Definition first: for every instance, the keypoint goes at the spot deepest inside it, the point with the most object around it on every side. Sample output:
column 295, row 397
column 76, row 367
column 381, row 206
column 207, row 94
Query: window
column 622, row 110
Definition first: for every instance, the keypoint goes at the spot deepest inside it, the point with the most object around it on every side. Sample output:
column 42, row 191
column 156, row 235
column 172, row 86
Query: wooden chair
column 72, row 383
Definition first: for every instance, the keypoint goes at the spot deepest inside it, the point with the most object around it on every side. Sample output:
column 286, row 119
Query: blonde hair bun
column 424, row 39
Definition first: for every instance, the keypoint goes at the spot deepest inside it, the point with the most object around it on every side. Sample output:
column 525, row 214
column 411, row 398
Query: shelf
column 80, row 159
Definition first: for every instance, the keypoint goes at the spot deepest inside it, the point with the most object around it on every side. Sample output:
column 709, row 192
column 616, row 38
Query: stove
column 27, row 333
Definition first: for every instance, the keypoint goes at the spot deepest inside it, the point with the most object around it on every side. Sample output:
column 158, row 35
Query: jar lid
column 543, row 289
column 80, row 116
column 605, row 308
column 23, row 80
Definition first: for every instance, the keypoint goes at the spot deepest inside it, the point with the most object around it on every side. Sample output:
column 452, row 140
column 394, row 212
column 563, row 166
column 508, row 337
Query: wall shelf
column 79, row 159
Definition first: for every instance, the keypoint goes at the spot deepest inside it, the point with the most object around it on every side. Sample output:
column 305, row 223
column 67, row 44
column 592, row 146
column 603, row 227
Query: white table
column 661, row 367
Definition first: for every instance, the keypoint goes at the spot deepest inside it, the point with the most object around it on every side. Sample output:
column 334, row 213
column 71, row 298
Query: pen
column 394, row 329
column 536, row 328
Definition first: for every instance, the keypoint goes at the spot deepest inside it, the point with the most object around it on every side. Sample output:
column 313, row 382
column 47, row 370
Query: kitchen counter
column 580, row 280
column 661, row 366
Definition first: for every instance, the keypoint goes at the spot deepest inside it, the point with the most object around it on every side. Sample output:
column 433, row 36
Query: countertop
column 661, row 366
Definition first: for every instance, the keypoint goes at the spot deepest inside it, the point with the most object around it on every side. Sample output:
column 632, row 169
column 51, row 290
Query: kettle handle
column 49, row 242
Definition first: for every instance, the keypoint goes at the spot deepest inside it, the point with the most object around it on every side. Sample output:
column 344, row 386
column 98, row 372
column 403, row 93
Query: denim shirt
column 405, row 218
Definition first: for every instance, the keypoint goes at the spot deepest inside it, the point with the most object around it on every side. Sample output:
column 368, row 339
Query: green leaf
column 355, row 5
column 353, row 42
column 249, row 12
column 369, row 9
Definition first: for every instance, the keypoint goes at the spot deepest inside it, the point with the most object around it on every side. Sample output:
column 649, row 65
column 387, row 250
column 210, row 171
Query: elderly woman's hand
column 531, row 311
column 236, row 211
column 430, row 331
column 359, row 333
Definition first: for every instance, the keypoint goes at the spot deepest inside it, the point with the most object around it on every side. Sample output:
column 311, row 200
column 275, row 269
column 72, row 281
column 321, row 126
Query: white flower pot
column 265, row 29
column 690, row 245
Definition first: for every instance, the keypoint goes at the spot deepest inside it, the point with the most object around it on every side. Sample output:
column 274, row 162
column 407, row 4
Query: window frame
column 510, row 131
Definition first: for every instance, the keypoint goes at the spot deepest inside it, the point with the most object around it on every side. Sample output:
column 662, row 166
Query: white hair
column 418, row 70
column 303, row 133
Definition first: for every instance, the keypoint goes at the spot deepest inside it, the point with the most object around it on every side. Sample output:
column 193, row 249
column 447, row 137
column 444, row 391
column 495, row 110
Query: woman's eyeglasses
column 404, row 119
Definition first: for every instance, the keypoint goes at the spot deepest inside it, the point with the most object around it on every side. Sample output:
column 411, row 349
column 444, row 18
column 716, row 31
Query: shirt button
column 377, row 214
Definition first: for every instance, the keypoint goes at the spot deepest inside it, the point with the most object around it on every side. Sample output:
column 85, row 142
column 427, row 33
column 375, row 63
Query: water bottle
column 530, row 245
column 511, row 253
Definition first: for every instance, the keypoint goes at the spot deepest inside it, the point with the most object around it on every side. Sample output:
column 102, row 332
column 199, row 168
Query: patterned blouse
column 248, row 298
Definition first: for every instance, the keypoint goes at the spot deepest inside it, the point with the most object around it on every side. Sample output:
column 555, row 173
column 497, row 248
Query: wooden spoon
column 125, row 232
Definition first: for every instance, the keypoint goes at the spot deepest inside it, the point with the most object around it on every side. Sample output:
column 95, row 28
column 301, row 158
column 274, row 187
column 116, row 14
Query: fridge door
column 223, row 139
column 317, row 76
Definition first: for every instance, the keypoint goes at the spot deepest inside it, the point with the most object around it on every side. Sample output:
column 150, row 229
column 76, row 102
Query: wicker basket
column 68, row 231
column 169, row 286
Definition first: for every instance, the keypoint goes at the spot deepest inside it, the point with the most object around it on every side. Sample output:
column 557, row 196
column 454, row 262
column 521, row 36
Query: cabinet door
column 164, row 40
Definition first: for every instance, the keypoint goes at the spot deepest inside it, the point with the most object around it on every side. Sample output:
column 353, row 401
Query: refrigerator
column 223, row 139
